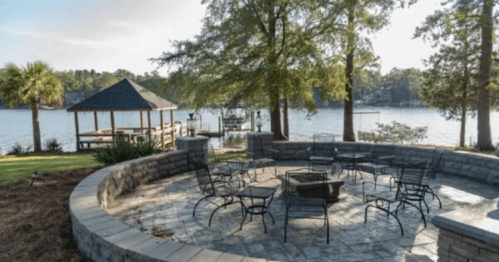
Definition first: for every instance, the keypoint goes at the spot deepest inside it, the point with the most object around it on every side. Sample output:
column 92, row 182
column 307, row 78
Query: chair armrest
column 251, row 155
column 273, row 151
column 386, row 159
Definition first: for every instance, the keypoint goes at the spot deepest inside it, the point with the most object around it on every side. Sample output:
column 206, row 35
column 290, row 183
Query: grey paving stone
column 351, row 239
column 184, row 254
column 206, row 255
column 281, row 255
column 311, row 251
column 371, row 255
column 225, row 257
column 165, row 250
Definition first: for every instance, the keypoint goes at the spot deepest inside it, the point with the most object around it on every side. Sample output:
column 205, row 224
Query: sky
column 107, row 35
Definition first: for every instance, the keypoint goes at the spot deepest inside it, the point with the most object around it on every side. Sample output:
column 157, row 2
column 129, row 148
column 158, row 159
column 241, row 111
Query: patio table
column 349, row 162
column 262, row 193
column 242, row 166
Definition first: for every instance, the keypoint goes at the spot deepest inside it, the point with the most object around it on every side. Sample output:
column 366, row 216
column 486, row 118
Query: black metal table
column 262, row 193
column 242, row 166
column 349, row 162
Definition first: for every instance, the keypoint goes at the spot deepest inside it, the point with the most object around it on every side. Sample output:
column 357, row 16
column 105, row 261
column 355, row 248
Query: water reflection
column 16, row 124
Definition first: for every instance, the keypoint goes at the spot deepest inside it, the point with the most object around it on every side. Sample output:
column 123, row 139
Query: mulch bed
column 35, row 224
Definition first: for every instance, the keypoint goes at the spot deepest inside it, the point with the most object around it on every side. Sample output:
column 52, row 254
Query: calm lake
column 16, row 124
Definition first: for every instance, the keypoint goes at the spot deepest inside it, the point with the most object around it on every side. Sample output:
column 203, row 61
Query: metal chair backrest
column 434, row 164
column 376, row 155
column 260, row 150
column 209, row 154
column 318, row 200
column 323, row 145
column 203, row 176
column 411, row 178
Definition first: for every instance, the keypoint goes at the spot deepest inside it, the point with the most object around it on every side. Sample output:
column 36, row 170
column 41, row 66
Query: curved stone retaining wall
column 101, row 237
column 473, row 166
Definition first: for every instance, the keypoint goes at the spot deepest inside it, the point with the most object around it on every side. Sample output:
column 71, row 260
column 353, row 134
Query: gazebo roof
column 125, row 95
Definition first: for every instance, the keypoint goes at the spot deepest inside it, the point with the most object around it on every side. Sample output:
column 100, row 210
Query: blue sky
column 107, row 35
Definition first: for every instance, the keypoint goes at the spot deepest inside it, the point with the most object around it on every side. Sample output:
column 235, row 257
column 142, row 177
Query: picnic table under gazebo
column 126, row 95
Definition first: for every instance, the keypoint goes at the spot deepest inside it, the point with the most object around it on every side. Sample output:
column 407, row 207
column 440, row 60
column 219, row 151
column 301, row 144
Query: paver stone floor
column 164, row 207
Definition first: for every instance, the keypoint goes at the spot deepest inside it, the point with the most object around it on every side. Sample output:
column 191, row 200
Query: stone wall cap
column 259, row 133
column 480, row 222
column 192, row 138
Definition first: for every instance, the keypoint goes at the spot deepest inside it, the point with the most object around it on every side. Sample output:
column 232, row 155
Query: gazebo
column 125, row 95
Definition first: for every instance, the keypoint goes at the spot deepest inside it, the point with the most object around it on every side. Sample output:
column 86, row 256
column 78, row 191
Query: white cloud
column 111, row 35
column 23, row 32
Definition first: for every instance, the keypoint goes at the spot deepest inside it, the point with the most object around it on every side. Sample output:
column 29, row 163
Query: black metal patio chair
column 300, row 207
column 322, row 152
column 377, row 163
column 222, row 172
column 431, row 173
column 263, row 156
column 214, row 190
column 409, row 189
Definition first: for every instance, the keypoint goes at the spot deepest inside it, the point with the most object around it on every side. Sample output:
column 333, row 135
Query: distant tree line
column 90, row 81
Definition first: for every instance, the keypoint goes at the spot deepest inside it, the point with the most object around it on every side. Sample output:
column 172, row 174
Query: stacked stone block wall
column 256, row 148
column 195, row 146
column 453, row 246
column 127, row 175
column 101, row 237
column 473, row 166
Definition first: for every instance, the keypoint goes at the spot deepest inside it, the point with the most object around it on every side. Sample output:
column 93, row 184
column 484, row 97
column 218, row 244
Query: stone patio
column 165, row 207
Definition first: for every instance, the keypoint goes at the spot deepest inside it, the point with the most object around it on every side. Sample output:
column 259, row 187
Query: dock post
column 162, row 129
column 112, row 126
column 77, row 132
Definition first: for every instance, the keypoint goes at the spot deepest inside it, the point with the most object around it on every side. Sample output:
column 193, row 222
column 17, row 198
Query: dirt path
column 35, row 224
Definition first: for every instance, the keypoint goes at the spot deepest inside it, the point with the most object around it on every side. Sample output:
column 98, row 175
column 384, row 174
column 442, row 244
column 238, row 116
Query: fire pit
column 309, row 184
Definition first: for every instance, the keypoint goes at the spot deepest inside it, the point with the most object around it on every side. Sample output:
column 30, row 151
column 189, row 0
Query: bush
column 234, row 141
column 53, row 146
column 19, row 148
column 402, row 133
column 121, row 151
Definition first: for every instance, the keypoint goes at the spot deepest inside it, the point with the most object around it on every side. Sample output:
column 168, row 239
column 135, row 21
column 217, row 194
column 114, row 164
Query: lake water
column 16, row 124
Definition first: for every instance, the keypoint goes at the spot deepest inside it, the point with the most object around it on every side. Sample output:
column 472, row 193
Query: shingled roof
column 125, row 95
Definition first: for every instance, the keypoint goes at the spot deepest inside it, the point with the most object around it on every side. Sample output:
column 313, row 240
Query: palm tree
column 34, row 85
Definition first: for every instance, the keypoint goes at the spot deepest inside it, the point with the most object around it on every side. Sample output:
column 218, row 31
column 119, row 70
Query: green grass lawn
column 229, row 155
column 15, row 168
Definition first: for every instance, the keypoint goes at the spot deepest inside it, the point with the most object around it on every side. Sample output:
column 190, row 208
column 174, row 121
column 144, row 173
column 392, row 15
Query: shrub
column 53, row 146
column 234, row 141
column 402, row 133
column 19, row 148
column 121, row 151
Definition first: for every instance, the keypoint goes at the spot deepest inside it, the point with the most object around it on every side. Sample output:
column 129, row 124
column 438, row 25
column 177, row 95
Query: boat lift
column 366, row 136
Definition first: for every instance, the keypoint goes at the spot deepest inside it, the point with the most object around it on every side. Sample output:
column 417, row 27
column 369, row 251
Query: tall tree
column 450, row 84
column 34, row 85
column 360, row 17
column 104, row 80
column 258, row 52
column 484, row 136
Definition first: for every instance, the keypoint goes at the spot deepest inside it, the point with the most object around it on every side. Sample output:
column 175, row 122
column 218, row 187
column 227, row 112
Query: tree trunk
column 35, row 119
column 463, row 125
column 275, row 115
column 484, row 135
column 348, row 134
column 286, row 119
column 273, row 76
